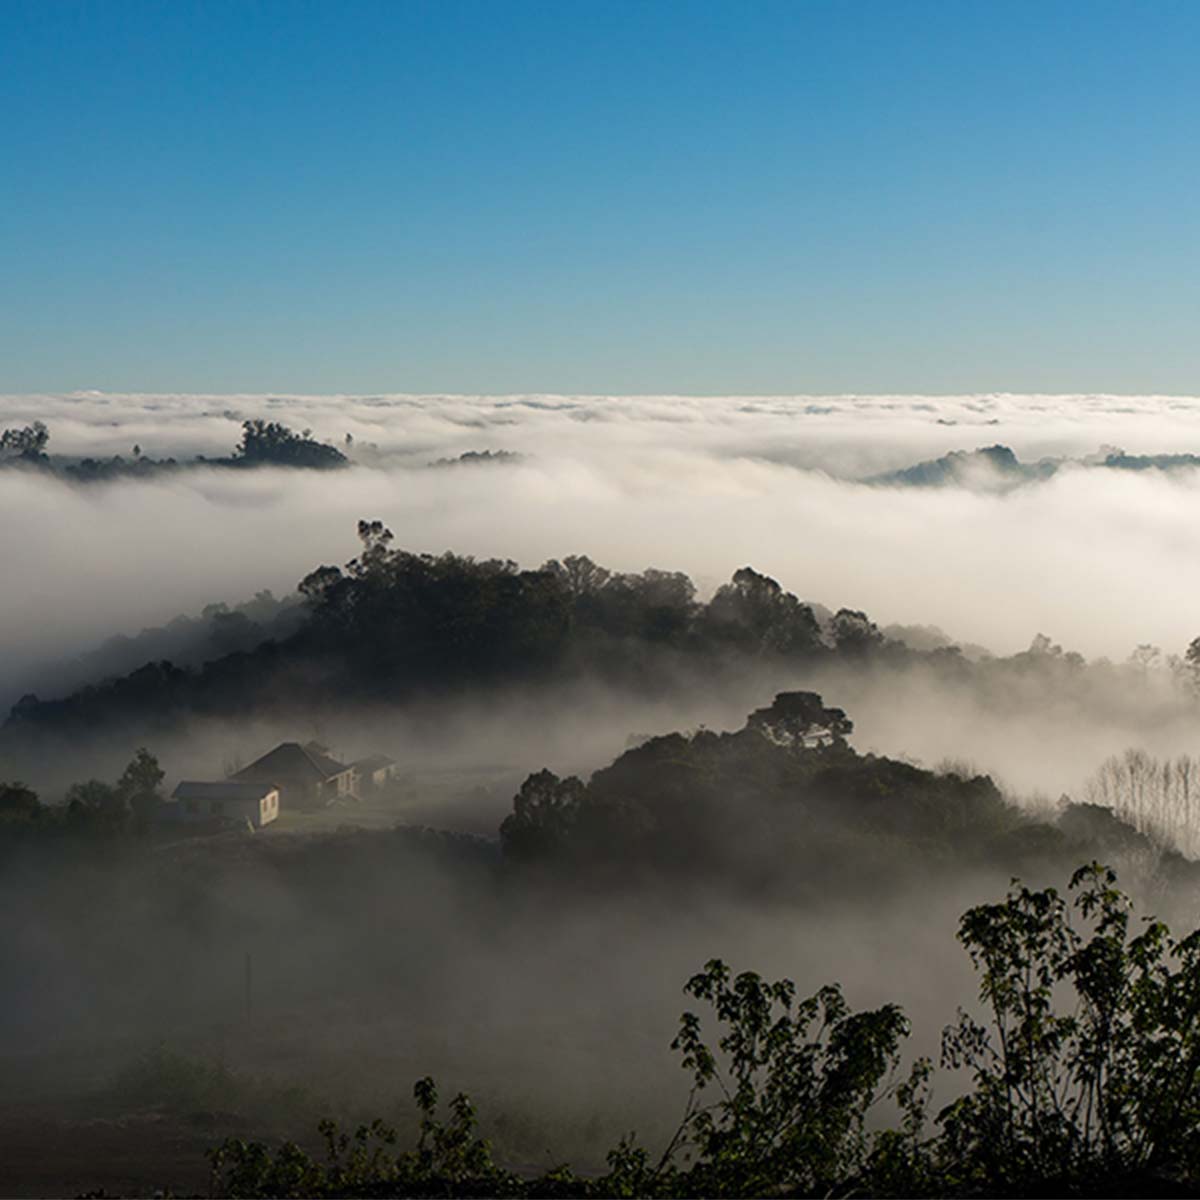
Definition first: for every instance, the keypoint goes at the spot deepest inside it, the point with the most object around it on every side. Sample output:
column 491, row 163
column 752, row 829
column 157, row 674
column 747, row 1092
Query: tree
column 1145, row 657
column 28, row 443
column 140, row 785
column 543, row 819
column 269, row 442
column 1191, row 665
column 1158, row 798
column 1043, row 647
column 19, row 805
column 581, row 576
column 854, row 632
column 1101, row 1093
column 98, row 805
column 753, row 611
column 794, row 1081
column 800, row 719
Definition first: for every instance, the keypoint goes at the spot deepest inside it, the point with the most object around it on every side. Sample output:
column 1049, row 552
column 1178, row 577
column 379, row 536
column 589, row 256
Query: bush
column 1101, row 1097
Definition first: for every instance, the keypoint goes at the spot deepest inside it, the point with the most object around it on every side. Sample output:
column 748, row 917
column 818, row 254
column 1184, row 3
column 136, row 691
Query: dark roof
column 192, row 789
column 290, row 760
column 373, row 762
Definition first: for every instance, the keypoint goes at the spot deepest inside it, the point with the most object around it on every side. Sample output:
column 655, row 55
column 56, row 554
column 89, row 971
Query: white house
column 227, row 801
column 305, row 776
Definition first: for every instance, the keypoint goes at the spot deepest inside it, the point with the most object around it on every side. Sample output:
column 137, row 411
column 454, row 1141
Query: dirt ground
column 45, row 1153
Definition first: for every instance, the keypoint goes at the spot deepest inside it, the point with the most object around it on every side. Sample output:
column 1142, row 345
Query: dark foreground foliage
column 1081, row 1079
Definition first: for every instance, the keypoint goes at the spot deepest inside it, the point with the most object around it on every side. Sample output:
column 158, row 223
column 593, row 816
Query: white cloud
column 1101, row 561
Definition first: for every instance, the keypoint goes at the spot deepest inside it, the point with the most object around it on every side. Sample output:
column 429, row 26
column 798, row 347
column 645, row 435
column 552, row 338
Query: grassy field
column 468, row 801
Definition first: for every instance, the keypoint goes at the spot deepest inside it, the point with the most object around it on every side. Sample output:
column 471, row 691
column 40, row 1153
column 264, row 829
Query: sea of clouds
column 1099, row 560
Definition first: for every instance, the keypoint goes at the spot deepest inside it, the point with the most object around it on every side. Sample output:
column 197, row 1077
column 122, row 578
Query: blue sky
column 612, row 197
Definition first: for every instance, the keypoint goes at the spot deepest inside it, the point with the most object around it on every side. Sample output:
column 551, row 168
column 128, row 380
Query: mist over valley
column 593, row 644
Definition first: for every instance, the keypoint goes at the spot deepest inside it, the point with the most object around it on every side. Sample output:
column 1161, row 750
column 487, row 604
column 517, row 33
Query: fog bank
column 699, row 485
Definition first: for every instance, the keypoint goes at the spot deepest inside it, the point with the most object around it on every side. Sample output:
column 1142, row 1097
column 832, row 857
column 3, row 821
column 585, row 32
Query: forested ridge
column 393, row 625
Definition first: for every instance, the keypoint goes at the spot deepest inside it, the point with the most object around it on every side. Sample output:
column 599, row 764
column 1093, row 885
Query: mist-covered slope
column 992, row 468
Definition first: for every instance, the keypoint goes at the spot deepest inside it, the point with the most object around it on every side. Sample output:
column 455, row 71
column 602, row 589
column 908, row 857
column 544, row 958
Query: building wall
column 297, row 793
column 268, row 809
column 258, row 812
column 340, row 786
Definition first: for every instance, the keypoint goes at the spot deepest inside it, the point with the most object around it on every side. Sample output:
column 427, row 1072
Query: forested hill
column 392, row 625
column 783, row 806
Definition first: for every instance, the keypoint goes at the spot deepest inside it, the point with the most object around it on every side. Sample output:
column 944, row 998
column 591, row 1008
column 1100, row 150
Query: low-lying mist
column 351, row 950
column 699, row 485
column 1038, row 738
column 555, row 1012
column 702, row 485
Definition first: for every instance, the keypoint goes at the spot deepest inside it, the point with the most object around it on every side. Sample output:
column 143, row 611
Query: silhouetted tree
column 19, row 805
column 854, row 632
column 800, row 720
column 28, row 443
column 269, row 442
column 756, row 614
column 140, row 785
column 545, row 812
column 97, row 805
column 581, row 576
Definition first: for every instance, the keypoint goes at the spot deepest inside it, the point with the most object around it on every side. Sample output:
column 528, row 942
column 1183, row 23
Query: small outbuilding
column 225, row 801
column 374, row 771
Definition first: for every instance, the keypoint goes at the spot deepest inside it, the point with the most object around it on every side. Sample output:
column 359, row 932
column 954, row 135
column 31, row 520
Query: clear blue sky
column 610, row 197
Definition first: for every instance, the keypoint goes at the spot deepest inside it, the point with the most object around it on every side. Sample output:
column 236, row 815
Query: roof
column 192, row 789
column 373, row 762
column 290, row 760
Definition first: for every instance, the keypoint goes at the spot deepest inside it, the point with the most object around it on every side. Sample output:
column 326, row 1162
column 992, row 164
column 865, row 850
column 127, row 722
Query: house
column 224, row 802
column 305, row 776
column 374, row 771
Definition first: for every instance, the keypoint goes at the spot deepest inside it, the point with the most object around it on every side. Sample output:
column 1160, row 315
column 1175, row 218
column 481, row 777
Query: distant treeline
column 999, row 466
column 218, row 629
column 263, row 443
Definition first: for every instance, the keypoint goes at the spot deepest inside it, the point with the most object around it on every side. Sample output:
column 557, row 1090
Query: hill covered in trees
column 263, row 443
column 393, row 626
